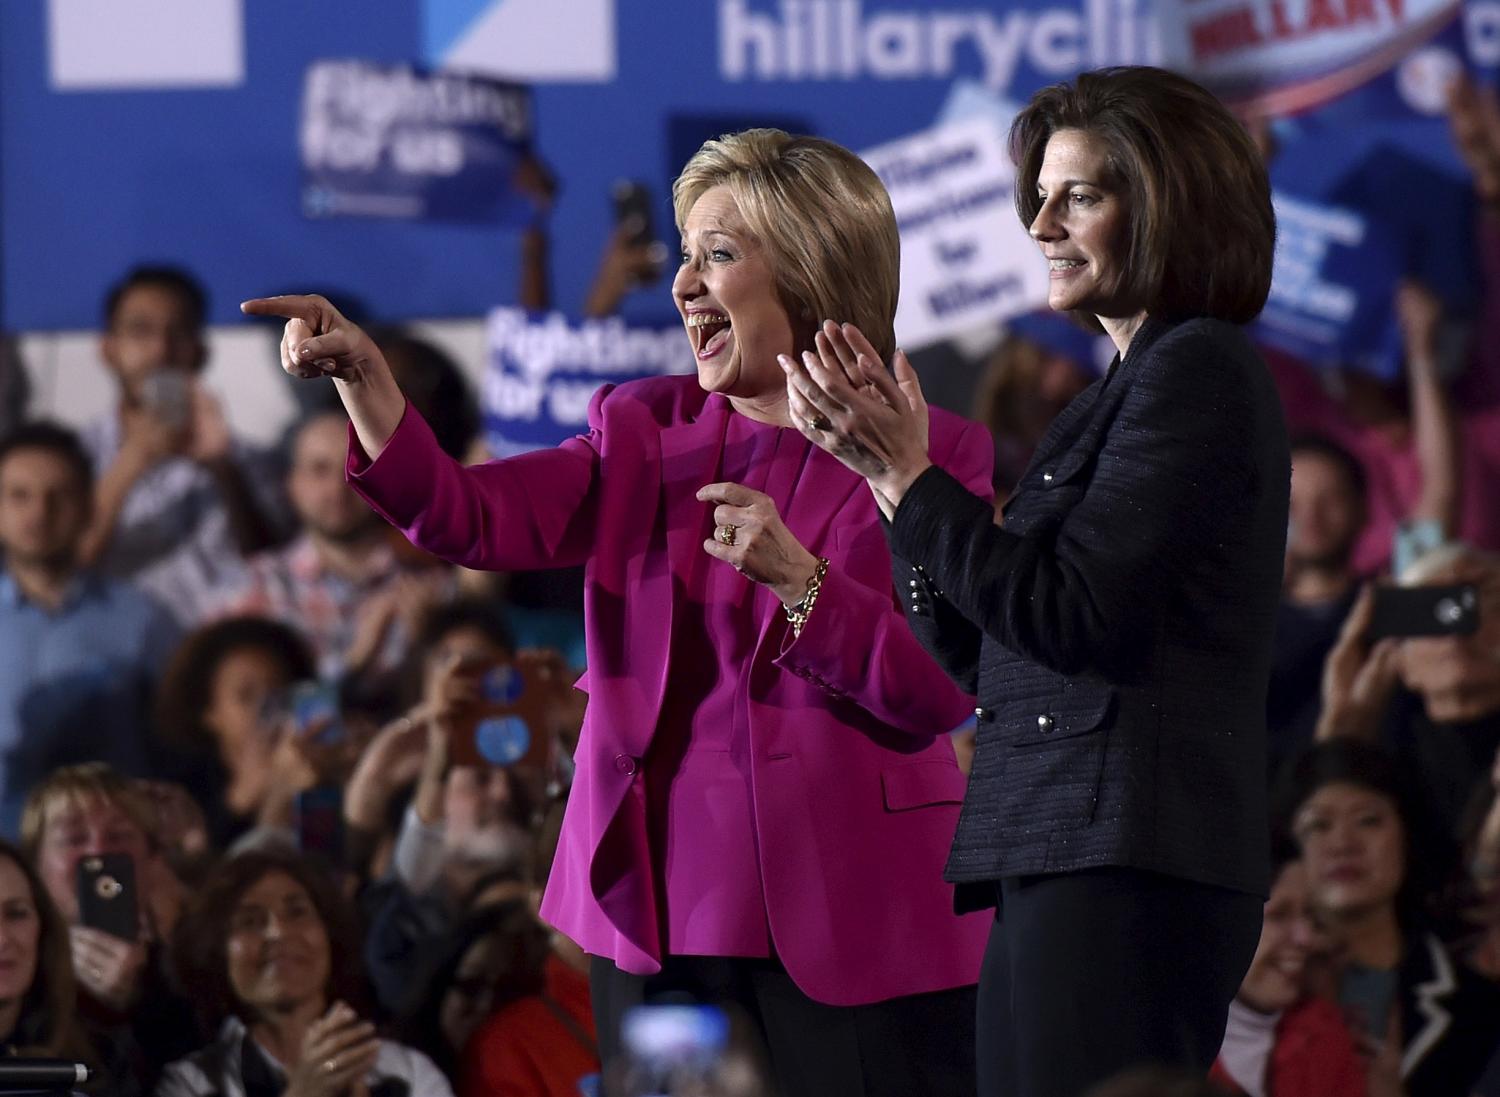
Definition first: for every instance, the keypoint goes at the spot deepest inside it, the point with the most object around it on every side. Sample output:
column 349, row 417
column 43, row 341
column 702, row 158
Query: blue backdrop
column 92, row 182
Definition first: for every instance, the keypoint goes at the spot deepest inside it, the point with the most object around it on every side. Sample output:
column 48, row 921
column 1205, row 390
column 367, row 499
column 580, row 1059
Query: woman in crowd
column 1283, row 1040
column 505, row 1006
column 764, row 754
column 1117, row 624
column 272, row 955
column 1372, row 864
column 38, row 1002
column 213, row 708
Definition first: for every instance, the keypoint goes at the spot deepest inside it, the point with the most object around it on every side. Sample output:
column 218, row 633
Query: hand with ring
column 338, row 1050
column 750, row 535
column 843, row 400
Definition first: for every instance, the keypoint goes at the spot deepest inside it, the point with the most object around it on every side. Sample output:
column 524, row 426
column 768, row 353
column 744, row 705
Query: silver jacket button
column 1046, row 478
column 1044, row 724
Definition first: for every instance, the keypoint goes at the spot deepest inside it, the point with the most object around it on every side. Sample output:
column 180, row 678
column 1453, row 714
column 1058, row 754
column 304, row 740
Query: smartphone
column 316, row 705
column 107, row 898
column 318, row 815
column 167, row 394
column 498, row 731
column 632, row 203
column 1367, row 995
column 672, row 1049
column 1446, row 610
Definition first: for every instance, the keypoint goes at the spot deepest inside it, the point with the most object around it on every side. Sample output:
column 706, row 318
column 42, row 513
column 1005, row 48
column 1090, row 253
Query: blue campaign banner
column 112, row 157
column 97, row 174
column 1358, row 208
column 398, row 141
column 544, row 369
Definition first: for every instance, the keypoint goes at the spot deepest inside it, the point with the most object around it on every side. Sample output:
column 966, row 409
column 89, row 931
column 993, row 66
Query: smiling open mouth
column 710, row 331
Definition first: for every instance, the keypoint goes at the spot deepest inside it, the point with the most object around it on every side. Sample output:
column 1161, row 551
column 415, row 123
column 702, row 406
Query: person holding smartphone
column 91, row 833
column 179, row 502
column 1433, row 699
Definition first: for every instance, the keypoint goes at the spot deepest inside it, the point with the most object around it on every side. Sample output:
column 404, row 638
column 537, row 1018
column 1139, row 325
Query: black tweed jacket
column 1117, row 627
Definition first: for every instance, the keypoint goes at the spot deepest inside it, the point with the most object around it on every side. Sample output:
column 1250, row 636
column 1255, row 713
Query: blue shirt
column 75, row 682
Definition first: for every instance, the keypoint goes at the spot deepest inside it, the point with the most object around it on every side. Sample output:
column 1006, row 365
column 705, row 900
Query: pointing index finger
column 308, row 308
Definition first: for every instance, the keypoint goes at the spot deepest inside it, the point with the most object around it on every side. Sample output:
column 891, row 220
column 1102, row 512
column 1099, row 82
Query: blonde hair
column 823, row 217
column 88, row 781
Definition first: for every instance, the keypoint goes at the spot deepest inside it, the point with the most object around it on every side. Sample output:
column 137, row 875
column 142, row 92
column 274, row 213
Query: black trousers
column 918, row 1046
column 1090, row 973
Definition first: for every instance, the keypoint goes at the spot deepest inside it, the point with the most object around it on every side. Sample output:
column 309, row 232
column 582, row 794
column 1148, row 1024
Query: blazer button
column 1046, row 478
column 625, row 764
column 1044, row 724
column 982, row 713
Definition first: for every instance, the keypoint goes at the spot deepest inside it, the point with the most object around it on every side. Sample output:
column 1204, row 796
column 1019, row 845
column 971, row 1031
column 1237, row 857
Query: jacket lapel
column 690, row 457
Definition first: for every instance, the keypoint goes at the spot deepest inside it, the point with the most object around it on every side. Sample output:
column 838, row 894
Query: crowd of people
column 256, row 839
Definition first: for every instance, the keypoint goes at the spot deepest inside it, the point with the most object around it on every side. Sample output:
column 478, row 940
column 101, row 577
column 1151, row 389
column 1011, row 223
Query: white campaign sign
column 139, row 44
column 965, row 259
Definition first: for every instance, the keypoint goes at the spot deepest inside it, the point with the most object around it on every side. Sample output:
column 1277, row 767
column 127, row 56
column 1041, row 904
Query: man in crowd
column 1326, row 519
column 80, row 652
column 179, row 503
column 340, row 582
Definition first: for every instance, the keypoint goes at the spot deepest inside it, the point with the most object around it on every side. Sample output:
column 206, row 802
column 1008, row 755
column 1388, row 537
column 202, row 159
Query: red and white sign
column 1282, row 56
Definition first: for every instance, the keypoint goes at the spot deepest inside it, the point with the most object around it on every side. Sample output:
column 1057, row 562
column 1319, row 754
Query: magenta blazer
column 856, row 790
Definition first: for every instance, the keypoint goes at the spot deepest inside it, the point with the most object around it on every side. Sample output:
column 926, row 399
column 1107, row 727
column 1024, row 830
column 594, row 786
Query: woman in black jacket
column 1116, row 623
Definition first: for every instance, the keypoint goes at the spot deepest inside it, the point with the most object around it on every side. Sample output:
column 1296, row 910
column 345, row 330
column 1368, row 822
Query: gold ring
column 820, row 422
column 725, row 534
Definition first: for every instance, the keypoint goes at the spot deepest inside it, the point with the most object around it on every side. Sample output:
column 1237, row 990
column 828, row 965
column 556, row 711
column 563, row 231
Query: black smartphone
column 318, row 815
column 107, row 898
column 1366, row 995
column 633, row 210
column 1446, row 610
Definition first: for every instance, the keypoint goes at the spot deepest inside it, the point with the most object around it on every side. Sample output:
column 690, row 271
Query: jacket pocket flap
column 919, row 784
column 1078, row 709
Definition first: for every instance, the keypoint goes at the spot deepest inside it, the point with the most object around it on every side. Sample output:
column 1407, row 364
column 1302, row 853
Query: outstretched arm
column 319, row 342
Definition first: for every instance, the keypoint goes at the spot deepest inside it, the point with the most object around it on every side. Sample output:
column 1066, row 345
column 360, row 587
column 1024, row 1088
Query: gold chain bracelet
column 797, row 614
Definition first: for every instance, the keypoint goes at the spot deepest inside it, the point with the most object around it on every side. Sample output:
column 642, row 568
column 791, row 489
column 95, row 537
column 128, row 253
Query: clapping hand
column 338, row 1050
column 843, row 400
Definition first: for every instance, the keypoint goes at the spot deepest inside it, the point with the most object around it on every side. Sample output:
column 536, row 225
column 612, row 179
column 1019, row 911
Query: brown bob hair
column 1201, row 231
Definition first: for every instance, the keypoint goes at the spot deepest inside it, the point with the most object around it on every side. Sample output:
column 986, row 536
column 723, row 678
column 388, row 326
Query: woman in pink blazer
column 765, row 790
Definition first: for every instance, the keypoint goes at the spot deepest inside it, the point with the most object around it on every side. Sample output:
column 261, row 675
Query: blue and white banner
column 187, row 110
column 1331, row 295
column 394, row 141
column 1356, row 213
column 543, row 371
column 965, row 259
column 532, row 40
